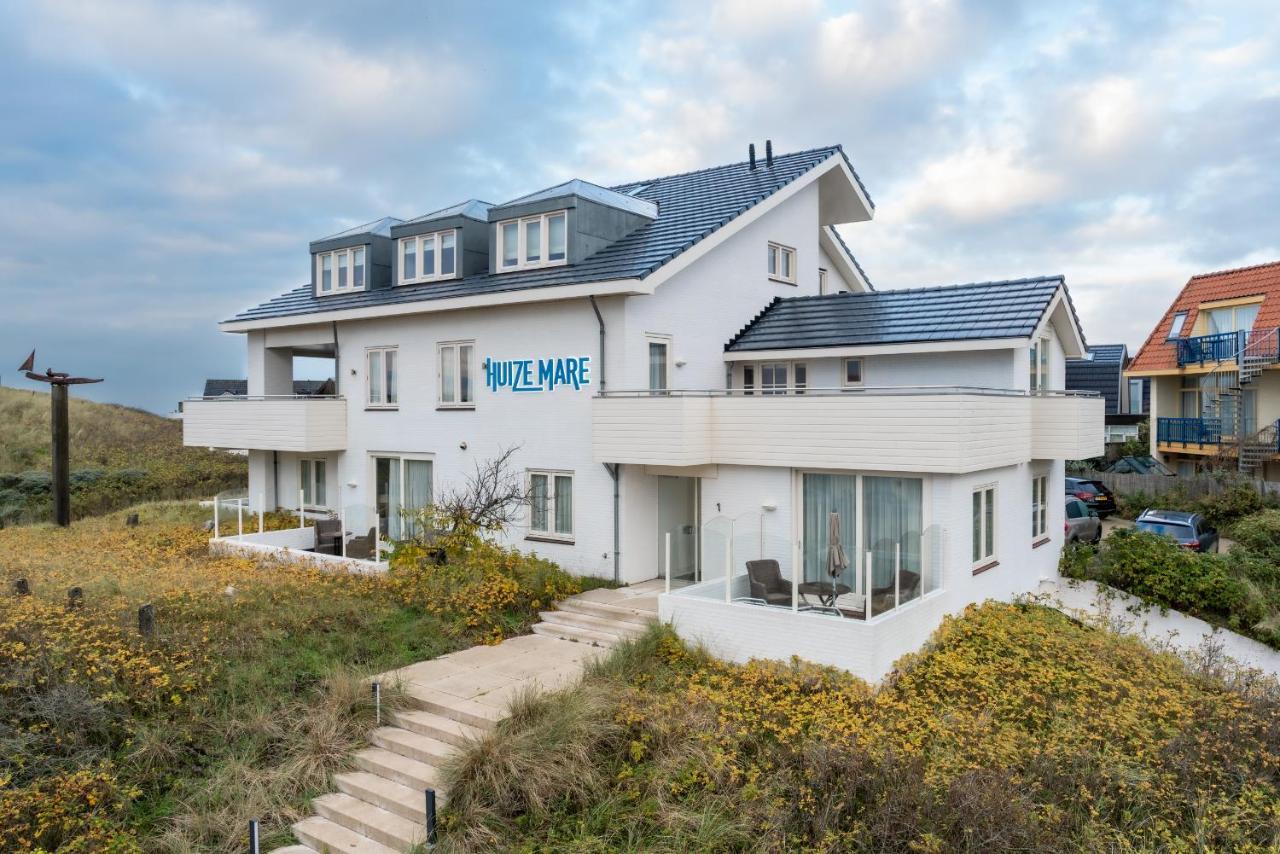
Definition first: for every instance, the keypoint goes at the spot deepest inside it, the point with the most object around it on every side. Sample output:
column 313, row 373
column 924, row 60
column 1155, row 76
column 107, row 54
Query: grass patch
column 1015, row 729
column 248, row 696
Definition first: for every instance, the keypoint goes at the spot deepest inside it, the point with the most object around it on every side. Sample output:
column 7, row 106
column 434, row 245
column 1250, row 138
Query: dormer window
column 533, row 241
column 340, row 270
column 429, row 257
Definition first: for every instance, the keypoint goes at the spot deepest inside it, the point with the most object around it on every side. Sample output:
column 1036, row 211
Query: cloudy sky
column 164, row 164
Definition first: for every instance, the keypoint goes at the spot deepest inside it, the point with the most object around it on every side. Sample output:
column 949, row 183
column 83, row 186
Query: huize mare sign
column 537, row 374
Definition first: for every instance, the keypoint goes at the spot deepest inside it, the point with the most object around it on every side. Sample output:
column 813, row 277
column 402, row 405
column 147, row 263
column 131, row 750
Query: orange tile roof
column 1158, row 354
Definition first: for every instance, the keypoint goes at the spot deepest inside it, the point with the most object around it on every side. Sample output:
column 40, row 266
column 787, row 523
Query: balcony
column 1183, row 433
column 267, row 423
column 1219, row 347
column 923, row 429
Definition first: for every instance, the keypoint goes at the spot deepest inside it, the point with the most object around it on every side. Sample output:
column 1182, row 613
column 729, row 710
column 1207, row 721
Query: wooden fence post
column 21, row 587
column 147, row 619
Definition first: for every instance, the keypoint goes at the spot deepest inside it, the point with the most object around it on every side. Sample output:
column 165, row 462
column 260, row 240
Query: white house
column 698, row 374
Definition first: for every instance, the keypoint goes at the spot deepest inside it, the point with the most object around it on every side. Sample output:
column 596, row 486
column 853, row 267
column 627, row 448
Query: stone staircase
column 380, row 805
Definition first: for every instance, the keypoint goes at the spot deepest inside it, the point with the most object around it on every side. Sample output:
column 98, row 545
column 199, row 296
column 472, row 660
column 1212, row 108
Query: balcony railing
column 1189, row 431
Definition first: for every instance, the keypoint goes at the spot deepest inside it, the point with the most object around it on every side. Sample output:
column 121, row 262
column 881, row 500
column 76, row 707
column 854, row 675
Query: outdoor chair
column 767, row 583
column 908, row 582
column 362, row 547
column 329, row 536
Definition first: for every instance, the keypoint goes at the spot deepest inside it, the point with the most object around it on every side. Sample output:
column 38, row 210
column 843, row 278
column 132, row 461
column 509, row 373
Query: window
column 852, row 372
column 748, row 379
column 341, row 271
column 1135, row 397
column 551, row 505
column 822, row 281
column 311, row 477
column 1175, row 329
column 1039, row 365
column 659, row 362
column 534, row 241
column 782, row 263
column 428, row 257
column 782, row 377
column 402, row 486
column 984, row 527
column 382, row 370
column 455, row 387
column 1232, row 318
column 1039, row 506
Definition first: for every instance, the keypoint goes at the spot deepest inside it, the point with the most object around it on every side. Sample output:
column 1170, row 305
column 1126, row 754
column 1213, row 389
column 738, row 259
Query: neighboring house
column 240, row 388
column 697, row 375
column 1212, row 361
column 1126, row 398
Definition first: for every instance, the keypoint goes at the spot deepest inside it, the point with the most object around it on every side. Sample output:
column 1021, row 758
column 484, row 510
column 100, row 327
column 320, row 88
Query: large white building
column 698, row 375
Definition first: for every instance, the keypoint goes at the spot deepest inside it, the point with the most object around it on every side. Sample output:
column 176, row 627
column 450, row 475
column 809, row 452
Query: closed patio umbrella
column 837, row 561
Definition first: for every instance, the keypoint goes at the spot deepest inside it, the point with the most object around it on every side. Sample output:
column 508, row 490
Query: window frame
column 844, row 372
column 1178, row 325
column 349, row 252
column 437, row 274
column 522, row 250
column 1040, row 507
column 981, row 559
column 791, row 387
column 822, row 281
column 664, row 340
column 1039, row 368
column 774, row 269
column 1134, row 406
column 457, row 358
column 387, row 392
column 550, row 534
column 308, row 484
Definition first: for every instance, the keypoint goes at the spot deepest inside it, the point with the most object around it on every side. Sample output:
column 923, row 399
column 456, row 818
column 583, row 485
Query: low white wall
column 1091, row 602
column 288, row 546
column 740, row 632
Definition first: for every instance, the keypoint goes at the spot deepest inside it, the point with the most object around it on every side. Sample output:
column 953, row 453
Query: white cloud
column 981, row 181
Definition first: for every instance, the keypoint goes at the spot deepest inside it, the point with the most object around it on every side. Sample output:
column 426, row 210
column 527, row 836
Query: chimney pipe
column 768, row 152
column 751, row 155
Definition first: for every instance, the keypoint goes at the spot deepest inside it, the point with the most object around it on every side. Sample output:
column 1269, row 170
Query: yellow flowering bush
column 79, row 812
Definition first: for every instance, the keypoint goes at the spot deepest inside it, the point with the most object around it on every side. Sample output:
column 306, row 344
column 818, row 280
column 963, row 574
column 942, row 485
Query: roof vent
column 751, row 155
column 768, row 152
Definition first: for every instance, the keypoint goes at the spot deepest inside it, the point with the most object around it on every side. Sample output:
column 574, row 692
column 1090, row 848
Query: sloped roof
column 1104, row 353
column 471, row 208
column 1009, row 309
column 691, row 207
column 634, row 203
column 1159, row 354
column 1100, row 374
column 379, row 227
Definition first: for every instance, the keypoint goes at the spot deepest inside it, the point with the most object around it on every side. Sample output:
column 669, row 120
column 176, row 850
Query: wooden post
column 75, row 598
column 61, row 455
column 21, row 587
column 147, row 619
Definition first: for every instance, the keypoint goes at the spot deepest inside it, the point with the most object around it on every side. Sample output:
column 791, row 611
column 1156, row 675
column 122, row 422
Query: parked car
column 1083, row 524
column 1139, row 465
column 1189, row 529
column 1094, row 493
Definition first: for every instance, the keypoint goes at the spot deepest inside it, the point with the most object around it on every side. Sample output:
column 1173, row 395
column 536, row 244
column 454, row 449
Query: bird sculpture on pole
column 58, row 383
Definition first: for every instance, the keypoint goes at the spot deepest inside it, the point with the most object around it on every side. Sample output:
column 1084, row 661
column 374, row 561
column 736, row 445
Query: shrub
column 78, row 812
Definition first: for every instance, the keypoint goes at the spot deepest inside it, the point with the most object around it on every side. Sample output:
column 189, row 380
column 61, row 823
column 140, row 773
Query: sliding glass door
column 824, row 494
column 402, row 486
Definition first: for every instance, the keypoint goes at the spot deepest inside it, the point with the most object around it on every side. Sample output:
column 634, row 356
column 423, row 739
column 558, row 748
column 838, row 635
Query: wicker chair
column 767, row 583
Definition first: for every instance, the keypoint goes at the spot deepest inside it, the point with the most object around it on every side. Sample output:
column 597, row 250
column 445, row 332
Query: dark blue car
column 1189, row 529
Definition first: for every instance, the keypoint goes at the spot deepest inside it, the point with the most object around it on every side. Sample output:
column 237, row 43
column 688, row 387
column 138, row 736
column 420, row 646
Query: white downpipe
column 217, row 521
column 666, row 558
column 728, row 567
column 240, row 517
column 866, row 594
column 302, row 522
column 344, row 532
column 262, row 510
column 897, row 573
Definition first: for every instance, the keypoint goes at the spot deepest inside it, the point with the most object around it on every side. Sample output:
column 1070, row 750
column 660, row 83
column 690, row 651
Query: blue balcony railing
column 1220, row 347
column 1189, row 431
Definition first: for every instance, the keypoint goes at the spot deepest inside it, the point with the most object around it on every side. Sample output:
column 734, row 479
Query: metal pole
column 253, row 837
column 61, row 455
column 728, row 567
column 302, row 522
column 217, row 529
column 666, row 557
column 240, row 515
column 431, row 817
column 897, row 573
column 867, row 589
column 377, row 702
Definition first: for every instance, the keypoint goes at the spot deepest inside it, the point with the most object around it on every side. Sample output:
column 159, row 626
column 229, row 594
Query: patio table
column 826, row 592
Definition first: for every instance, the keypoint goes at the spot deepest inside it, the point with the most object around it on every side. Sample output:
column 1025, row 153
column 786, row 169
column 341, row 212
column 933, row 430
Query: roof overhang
column 1060, row 315
column 550, row 293
column 844, row 262
column 842, row 199
column 850, row 351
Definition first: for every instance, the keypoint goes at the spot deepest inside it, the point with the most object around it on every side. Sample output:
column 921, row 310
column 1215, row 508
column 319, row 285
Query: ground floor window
column 551, row 504
column 402, row 486
column 984, row 526
column 1039, row 506
column 311, row 477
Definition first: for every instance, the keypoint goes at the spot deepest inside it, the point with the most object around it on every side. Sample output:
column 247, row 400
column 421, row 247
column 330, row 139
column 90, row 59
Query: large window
column 311, row 477
column 659, row 362
column 428, row 257
column 1134, row 403
column 1039, row 506
column 1231, row 318
column 402, row 487
column 984, row 527
column 341, row 271
column 382, row 370
column 456, row 373
column 533, row 241
column 782, row 263
column 551, row 505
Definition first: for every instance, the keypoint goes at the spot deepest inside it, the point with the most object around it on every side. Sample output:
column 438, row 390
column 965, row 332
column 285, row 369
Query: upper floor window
column 340, row 270
column 1134, row 403
column 533, row 241
column 822, row 281
column 1230, row 318
column 659, row 362
column 852, row 372
column 456, row 389
column 783, row 377
column 1175, row 329
column 382, row 369
column 1039, row 378
column 782, row 263
column 427, row 257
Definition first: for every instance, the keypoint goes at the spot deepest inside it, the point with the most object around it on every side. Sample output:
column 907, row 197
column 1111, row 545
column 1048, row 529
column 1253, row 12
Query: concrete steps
column 380, row 806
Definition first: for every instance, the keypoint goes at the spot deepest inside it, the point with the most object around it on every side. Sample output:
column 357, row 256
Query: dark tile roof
column 852, row 257
column 240, row 388
column 951, row 313
column 1098, row 376
column 1106, row 353
column 691, row 207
